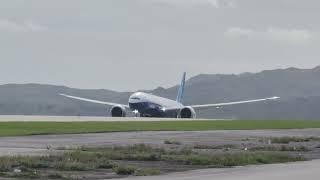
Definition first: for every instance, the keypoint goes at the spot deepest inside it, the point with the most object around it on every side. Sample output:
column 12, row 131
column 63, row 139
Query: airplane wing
column 94, row 101
column 232, row 103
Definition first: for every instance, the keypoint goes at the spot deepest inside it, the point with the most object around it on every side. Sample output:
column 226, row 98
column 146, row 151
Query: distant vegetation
column 299, row 90
column 287, row 140
column 205, row 146
column 172, row 141
column 299, row 148
column 37, row 128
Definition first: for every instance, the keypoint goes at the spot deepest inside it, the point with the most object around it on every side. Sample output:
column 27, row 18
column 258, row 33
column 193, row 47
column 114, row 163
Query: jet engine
column 118, row 111
column 187, row 112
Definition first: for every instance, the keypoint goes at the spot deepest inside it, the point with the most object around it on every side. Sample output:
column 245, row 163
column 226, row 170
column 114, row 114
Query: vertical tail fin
column 181, row 88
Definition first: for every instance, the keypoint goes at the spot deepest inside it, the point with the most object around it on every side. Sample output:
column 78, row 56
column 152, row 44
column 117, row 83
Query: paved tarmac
column 308, row 170
column 13, row 118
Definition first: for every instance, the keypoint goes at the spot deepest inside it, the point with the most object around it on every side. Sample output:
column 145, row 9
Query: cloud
column 8, row 25
column 293, row 35
column 213, row 3
column 296, row 36
column 239, row 32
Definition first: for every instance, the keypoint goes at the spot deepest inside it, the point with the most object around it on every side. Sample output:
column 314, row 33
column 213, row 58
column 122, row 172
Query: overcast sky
column 142, row 44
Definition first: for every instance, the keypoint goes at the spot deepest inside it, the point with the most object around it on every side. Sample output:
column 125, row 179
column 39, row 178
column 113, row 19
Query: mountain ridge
column 299, row 90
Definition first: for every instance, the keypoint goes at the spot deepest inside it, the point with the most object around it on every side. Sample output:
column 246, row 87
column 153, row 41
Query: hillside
column 299, row 90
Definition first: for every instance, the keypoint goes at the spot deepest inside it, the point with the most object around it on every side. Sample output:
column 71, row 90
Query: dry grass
column 91, row 159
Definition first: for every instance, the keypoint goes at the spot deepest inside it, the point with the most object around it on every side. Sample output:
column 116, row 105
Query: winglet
column 274, row 98
column 181, row 88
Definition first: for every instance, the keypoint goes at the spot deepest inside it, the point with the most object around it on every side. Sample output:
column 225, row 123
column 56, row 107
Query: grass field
column 35, row 128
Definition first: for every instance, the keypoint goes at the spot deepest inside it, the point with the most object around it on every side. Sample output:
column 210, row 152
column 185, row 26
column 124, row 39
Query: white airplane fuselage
column 151, row 105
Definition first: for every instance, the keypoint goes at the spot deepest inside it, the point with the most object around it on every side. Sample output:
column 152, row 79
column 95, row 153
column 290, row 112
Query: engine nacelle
column 118, row 111
column 187, row 112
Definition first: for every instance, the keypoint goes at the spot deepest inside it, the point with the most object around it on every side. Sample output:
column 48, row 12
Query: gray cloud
column 294, row 36
column 9, row 25
column 212, row 3
column 138, row 44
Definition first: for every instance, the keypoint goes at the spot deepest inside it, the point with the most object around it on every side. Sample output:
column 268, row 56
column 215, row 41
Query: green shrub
column 73, row 166
column 56, row 176
column 26, row 175
column 147, row 172
column 233, row 159
column 124, row 170
column 224, row 146
column 171, row 141
column 287, row 139
column 105, row 164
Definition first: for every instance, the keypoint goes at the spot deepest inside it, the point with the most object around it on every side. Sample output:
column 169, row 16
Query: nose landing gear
column 136, row 113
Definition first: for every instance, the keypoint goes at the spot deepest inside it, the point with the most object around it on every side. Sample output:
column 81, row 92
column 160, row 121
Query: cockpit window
column 136, row 98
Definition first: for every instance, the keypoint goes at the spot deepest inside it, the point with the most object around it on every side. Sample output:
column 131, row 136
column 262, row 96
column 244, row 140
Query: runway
column 308, row 170
column 4, row 118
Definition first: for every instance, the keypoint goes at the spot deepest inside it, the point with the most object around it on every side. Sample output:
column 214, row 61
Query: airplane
column 149, row 105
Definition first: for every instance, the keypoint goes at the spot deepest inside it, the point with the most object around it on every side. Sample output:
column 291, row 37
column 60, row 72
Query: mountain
column 36, row 99
column 299, row 90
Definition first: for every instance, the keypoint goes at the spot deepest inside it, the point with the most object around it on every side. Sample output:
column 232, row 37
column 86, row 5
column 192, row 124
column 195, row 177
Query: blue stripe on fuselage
column 151, row 109
column 141, row 106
